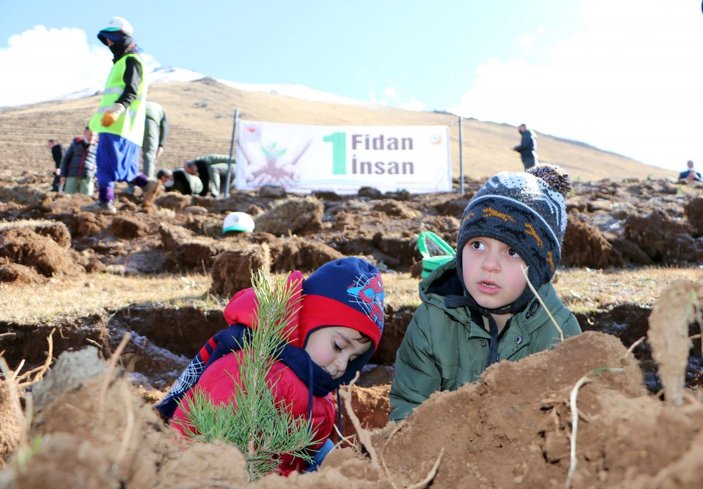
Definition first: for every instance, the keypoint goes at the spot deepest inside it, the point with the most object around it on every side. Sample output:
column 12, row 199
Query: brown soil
column 511, row 429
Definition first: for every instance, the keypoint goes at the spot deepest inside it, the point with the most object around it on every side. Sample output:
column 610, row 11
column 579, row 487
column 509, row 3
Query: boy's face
column 333, row 347
column 492, row 272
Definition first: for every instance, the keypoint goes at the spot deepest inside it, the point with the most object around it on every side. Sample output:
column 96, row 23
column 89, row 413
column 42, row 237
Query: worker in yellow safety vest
column 119, row 120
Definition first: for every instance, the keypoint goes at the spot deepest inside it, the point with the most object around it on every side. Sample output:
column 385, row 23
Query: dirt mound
column 21, row 194
column 585, row 246
column 18, row 274
column 662, row 238
column 101, row 435
column 188, row 252
column 232, row 270
column 694, row 214
column 24, row 246
column 511, row 429
column 89, row 224
column 173, row 200
column 292, row 216
column 66, row 203
column 296, row 253
column 631, row 253
column 10, row 423
column 57, row 231
column 129, row 227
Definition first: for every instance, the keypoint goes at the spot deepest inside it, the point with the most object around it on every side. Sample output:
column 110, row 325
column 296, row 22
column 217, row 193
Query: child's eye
column 514, row 253
column 477, row 245
column 336, row 346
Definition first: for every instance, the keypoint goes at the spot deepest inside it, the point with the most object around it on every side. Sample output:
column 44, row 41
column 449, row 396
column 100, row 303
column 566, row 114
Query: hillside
column 201, row 116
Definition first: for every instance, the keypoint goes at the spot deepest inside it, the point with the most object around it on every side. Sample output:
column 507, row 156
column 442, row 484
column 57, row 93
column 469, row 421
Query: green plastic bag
column 434, row 250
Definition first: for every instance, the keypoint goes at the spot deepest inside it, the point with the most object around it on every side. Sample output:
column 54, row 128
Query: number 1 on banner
column 339, row 152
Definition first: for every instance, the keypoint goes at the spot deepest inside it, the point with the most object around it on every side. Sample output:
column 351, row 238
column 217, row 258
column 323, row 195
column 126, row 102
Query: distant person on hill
column 212, row 170
column 180, row 180
column 527, row 147
column 78, row 164
column 689, row 174
column 57, row 155
column 478, row 309
column 119, row 120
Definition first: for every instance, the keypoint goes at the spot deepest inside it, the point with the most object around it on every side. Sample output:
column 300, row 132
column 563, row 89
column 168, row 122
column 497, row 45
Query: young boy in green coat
column 478, row 309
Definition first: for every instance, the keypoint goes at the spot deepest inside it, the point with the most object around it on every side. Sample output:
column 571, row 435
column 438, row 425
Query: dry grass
column 95, row 293
column 587, row 290
column 200, row 118
column 401, row 289
column 581, row 290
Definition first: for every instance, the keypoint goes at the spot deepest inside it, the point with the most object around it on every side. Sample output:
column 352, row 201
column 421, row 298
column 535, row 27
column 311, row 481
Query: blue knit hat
column 344, row 292
column 526, row 211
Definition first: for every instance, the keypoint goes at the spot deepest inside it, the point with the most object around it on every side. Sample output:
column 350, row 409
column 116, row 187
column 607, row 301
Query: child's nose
column 341, row 363
column 491, row 262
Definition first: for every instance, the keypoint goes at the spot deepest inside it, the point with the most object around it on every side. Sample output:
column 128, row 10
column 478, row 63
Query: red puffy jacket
column 219, row 378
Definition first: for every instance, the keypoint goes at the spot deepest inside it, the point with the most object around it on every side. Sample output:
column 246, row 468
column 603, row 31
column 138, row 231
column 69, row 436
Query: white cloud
column 392, row 97
column 630, row 81
column 45, row 64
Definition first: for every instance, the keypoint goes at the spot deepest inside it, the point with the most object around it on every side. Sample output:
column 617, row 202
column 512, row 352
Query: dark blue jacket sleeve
column 225, row 341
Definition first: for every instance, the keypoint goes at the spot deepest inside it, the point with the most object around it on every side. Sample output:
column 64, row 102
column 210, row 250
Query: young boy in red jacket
column 332, row 336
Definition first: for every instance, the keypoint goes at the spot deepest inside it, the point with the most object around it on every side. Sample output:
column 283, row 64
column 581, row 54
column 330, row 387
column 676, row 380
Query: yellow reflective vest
column 130, row 124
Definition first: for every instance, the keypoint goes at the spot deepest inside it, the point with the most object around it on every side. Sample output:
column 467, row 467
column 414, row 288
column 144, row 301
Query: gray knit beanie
column 526, row 211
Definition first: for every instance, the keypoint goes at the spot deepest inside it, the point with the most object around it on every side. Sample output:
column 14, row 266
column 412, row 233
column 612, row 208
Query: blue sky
column 623, row 75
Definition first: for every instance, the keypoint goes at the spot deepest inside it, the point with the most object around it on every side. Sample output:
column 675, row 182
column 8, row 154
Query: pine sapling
column 252, row 420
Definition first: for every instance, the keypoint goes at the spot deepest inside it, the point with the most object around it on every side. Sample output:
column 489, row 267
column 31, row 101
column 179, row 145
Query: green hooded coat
column 445, row 348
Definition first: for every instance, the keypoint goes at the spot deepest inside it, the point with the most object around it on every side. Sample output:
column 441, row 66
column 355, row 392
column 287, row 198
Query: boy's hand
column 112, row 114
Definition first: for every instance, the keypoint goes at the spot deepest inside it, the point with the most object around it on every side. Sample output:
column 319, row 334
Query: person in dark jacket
column 119, row 120
column 479, row 309
column 527, row 147
column 180, row 180
column 334, row 330
column 57, row 155
column 690, row 174
column 212, row 170
column 78, row 164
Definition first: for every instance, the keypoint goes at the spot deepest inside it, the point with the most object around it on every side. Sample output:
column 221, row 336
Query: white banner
column 342, row 159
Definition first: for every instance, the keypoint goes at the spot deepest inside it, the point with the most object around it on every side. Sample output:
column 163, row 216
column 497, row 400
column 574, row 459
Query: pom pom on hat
column 525, row 210
column 344, row 292
column 555, row 177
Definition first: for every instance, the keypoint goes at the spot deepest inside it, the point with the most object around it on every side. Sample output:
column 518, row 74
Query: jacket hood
column 242, row 309
column 444, row 282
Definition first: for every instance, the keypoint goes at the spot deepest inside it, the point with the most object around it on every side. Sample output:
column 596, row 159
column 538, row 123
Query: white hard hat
column 238, row 221
column 119, row 24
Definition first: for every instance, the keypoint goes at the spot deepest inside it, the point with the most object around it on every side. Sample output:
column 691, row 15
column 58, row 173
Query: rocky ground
column 512, row 429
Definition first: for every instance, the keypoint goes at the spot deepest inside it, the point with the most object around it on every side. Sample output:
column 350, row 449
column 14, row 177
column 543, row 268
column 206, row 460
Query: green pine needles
column 252, row 420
